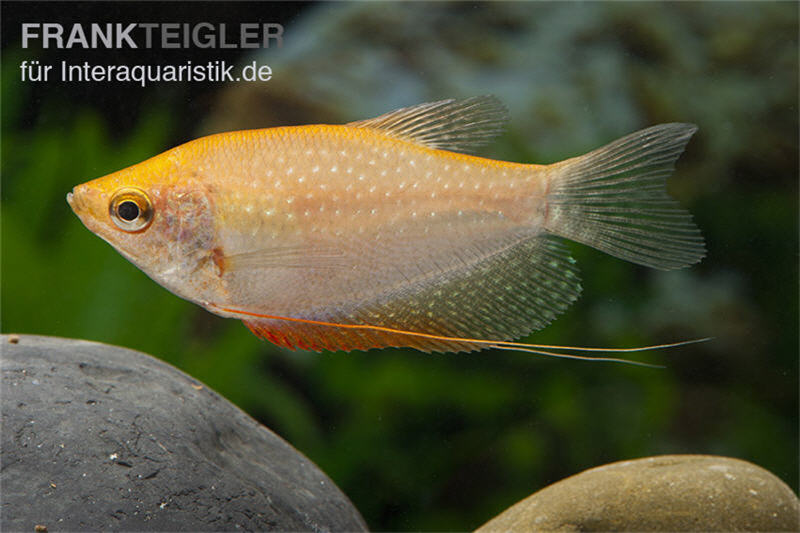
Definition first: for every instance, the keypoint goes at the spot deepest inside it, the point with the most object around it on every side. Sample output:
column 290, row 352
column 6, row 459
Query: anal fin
column 515, row 289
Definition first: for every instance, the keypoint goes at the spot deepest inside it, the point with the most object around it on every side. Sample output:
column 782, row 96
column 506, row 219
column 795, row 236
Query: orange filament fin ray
column 296, row 332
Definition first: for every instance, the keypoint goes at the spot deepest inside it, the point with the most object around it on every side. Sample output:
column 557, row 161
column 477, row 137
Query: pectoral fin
column 299, row 256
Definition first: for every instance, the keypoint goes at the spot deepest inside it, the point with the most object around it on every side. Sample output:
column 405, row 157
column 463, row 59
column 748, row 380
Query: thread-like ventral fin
column 457, row 125
column 614, row 199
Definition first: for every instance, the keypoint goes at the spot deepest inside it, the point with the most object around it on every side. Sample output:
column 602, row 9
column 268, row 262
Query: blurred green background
column 432, row 442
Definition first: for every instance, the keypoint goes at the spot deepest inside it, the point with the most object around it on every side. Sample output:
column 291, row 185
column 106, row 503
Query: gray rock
column 663, row 493
column 104, row 438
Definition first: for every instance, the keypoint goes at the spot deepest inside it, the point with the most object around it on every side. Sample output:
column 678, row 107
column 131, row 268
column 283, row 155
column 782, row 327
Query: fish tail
column 614, row 199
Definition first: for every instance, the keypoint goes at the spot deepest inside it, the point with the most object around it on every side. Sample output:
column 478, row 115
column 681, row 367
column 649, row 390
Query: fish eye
column 128, row 210
column 131, row 210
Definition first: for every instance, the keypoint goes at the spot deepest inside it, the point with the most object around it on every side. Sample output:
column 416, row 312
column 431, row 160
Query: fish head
column 158, row 216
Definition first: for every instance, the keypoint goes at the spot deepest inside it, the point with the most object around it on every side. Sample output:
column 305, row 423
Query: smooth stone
column 97, row 437
column 662, row 493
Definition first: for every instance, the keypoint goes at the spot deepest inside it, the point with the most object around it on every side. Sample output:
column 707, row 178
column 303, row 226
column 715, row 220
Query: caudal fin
column 614, row 199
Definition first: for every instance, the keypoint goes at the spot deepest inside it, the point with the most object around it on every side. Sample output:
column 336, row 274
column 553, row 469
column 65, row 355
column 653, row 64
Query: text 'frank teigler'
column 152, row 35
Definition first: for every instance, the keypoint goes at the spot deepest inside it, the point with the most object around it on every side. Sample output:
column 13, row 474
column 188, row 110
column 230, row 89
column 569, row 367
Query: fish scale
column 382, row 233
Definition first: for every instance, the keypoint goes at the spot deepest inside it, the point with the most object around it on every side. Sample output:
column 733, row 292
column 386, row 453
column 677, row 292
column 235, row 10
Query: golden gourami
column 382, row 233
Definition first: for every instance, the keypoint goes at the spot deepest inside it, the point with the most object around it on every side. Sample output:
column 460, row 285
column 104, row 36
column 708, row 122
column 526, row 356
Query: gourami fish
column 384, row 232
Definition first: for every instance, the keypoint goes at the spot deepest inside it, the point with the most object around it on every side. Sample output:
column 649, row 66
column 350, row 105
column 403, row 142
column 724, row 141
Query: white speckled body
column 378, row 210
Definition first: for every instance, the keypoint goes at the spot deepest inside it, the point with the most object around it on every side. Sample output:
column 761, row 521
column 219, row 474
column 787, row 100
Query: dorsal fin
column 457, row 125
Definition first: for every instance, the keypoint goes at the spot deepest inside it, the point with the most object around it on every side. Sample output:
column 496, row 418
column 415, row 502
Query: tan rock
column 663, row 493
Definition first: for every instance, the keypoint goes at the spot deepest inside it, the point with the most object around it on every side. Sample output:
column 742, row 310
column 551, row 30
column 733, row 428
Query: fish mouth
column 74, row 200
column 83, row 201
